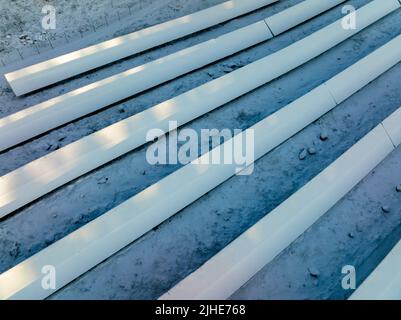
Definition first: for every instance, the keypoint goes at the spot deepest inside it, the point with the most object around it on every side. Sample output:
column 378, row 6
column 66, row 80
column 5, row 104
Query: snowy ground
column 354, row 232
column 21, row 26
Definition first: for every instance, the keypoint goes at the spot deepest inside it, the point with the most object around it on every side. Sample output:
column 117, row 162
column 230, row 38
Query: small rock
column 143, row 172
column 303, row 154
column 312, row 151
column 8, row 36
column 398, row 188
column 15, row 250
column 102, row 180
column 386, row 209
column 52, row 147
column 351, row 235
column 227, row 70
column 229, row 65
column 314, row 272
column 121, row 110
column 324, row 135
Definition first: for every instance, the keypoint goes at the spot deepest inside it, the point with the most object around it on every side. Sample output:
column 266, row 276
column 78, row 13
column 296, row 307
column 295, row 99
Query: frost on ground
column 21, row 20
column 357, row 231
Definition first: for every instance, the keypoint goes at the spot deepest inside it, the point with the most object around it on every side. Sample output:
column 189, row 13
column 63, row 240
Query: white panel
column 232, row 267
column 362, row 73
column 393, row 127
column 298, row 14
column 51, row 71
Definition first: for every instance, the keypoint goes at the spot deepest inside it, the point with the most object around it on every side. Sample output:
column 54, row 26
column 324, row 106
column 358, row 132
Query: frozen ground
column 21, row 25
column 354, row 232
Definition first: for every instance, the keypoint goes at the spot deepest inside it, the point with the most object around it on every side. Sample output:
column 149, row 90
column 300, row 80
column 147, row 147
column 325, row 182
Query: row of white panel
column 63, row 67
column 99, row 239
column 39, row 177
column 50, row 114
column 237, row 263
